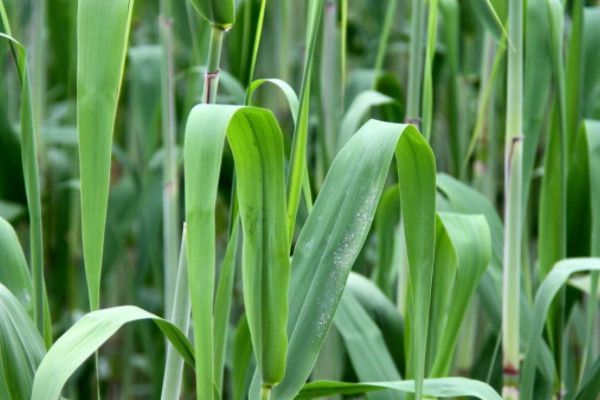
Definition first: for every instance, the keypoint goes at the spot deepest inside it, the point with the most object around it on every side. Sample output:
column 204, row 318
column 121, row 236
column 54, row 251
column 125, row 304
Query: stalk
column 259, row 26
column 265, row 393
column 39, row 73
column 427, row 109
column 390, row 13
column 211, row 77
column 344, row 45
column 180, row 316
column 513, row 206
column 415, row 68
column 171, row 182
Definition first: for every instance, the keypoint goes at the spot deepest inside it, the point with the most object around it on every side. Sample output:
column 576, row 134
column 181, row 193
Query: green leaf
column 551, row 285
column 386, row 221
column 383, row 312
column 285, row 88
column 440, row 387
column 356, row 114
column 21, row 348
column 223, row 299
column 257, row 146
column 363, row 339
column 336, row 230
column 297, row 169
column 14, row 273
column 469, row 250
column 29, row 157
column 85, row 337
column 102, row 35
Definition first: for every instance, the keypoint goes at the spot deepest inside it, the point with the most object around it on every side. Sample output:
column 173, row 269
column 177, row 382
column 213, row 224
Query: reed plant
column 308, row 199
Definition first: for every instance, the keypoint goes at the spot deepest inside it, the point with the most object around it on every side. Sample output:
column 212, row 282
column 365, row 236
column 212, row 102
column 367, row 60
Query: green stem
column 259, row 26
column 344, row 45
column 427, row 106
column 390, row 13
column 415, row 68
column 265, row 393
column 211, row 77
column 180, row 316
column 170, row 180
column 513, row 206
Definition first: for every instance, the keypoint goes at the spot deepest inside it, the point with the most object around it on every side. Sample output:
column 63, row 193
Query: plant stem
column 265, row 393
column 344, row 45
column 259, row 26
column 427, row 107
column 180, row 316
column 390, row 13
column 415, row 68
column 170, row 179
column 513, row 206
column 211, row 77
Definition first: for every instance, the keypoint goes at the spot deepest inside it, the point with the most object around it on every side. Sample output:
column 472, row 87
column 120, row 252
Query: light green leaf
column 21, row 347
column 29, row 161
column 102, row 35
column 336, row 230
column 440, row 387
column 257, row 146
column 356, row 114
column 554, row 281
column 85, row 337
column 367, row 350
column 14, row 273
column 469, row 251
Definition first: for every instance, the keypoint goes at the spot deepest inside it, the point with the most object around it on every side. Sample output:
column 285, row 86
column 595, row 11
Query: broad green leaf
column 102, row 35
column 257, row 146
column 85, row 337
column 386, row 221
column 465, row 199
column 383, row 312
column 590, row 135
column 223, row 299
column 590, row 386
column 591, row 48
column 241, row 373
column 285, row 88
column 554, row 281
column 469, row 251
column 21, row 347
column 14, row 273
column 336, row 230
column 356, row 114
column 365, row 345
column 440, row 387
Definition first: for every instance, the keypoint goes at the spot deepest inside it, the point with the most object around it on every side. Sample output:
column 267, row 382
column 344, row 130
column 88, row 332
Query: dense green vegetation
column 252, row 199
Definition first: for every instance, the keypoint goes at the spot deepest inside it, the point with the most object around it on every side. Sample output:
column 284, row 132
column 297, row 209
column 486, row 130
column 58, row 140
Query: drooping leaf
column 365, row 345
column 257, row 146
column 85, row 337
column 337, row 227
column 440, row 387
column 554, row 281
